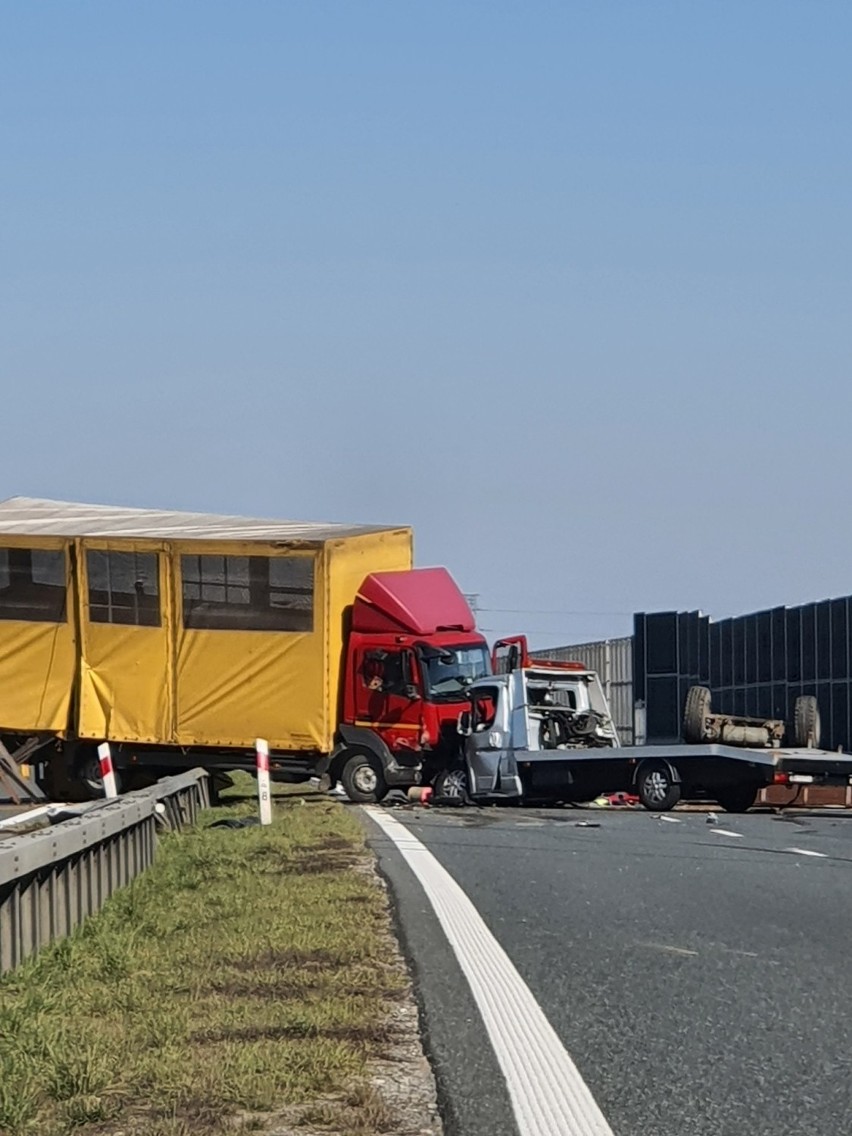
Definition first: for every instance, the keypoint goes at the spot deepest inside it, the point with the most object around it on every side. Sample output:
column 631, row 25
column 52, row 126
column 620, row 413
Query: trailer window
column 248, row 593
column 32, row 585
column 124, row 587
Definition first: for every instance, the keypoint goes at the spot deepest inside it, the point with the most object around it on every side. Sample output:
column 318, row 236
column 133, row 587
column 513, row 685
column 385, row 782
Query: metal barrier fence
column 51, row 880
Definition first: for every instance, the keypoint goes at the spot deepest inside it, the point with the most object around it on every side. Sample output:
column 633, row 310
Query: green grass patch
column 247, row 971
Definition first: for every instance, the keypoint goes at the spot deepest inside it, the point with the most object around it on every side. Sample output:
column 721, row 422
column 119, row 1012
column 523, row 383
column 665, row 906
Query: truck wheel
column 87, row 774
column 695, row 713
column 452, row 787
column 736, row 798
column 807, row 728
column 655, row 787
column 363, row 780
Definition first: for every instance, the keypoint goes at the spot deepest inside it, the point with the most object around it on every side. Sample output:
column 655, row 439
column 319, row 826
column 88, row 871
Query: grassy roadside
column 246, row 972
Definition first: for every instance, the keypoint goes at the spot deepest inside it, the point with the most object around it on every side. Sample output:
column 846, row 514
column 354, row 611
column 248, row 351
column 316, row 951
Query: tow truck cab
column 525, row 723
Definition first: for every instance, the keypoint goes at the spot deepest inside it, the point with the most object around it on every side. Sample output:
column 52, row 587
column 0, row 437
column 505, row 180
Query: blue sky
column 564, row 285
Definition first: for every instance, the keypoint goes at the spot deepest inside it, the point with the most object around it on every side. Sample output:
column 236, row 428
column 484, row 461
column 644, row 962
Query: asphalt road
column 700, row 981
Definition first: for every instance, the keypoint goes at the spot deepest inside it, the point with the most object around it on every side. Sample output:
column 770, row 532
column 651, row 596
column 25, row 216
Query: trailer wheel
column 452, row 787
column 363, row 780
column 87, row 773
column 807, row 728
column 736, row 798
column 695, row 713
column 656, row 787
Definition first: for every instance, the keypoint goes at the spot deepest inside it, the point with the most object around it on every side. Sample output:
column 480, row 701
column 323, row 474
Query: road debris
column 615, row 801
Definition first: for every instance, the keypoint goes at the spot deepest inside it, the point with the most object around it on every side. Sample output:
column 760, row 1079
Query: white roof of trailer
column 32, row 516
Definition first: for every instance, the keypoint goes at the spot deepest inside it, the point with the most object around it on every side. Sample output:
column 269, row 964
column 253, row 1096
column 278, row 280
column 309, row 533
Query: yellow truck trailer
column 177, row 629
column 181, row 638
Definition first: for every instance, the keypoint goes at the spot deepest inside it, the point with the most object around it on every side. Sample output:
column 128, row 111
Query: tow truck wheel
column 656, row 788
column 736, row 798
column 451, row 787
column 363, row 780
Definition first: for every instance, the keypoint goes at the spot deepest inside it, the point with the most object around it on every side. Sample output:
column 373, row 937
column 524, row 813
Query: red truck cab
column 412, row 650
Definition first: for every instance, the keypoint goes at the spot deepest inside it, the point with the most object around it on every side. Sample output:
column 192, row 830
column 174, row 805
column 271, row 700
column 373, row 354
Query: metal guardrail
column 53, row 879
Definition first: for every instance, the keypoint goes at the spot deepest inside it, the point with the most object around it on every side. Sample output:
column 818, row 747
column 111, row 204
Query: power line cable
column 540, row 611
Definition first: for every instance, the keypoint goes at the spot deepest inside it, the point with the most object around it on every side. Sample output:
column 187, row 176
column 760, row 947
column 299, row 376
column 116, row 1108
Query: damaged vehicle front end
column 524, row 733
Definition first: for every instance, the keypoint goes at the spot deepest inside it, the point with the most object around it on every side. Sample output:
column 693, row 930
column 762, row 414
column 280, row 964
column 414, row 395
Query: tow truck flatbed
column 663, row 774
column 787, row 759
column 547, row 734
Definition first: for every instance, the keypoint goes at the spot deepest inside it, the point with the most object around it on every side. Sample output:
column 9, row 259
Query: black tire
column 807, row 728
column 737, row 798
column 656, row 788
column 363, row 779
column 695, row 713
column 87, row 773
column 452, row 787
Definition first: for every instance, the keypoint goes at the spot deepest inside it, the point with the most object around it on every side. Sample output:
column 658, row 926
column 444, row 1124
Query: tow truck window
column 507, row 658
column 32, row 585
column 544, row 696
column 484, row 710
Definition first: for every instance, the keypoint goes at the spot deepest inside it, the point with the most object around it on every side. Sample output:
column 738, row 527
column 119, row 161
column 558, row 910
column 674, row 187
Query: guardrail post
column 107, row 771
column 263, row 793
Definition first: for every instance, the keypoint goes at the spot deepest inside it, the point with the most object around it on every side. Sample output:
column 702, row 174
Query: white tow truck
column 543, row 731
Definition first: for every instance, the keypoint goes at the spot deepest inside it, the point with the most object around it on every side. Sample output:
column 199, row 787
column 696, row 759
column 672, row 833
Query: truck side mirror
column 464, row 726
column 411, row 691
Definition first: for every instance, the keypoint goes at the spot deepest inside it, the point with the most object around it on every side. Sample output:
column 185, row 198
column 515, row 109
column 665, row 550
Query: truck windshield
column 450, row 671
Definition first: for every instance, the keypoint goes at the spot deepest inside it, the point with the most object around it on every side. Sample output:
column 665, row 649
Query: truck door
column 487, row 741
column 126, row 667
column 388, row 696
column 510, row 654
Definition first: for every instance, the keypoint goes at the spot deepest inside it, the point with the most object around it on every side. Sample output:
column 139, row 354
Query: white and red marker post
column 107, row 771
column 263, row 795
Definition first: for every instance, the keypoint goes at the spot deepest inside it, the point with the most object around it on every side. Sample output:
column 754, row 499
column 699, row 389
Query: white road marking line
column 726, row 832
column 549, row 1097
column 669, row 949
column 807, row 852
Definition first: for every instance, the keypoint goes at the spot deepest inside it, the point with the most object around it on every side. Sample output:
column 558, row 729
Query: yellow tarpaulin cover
column 38, row 661
column 126, row 671
column 167, row 684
